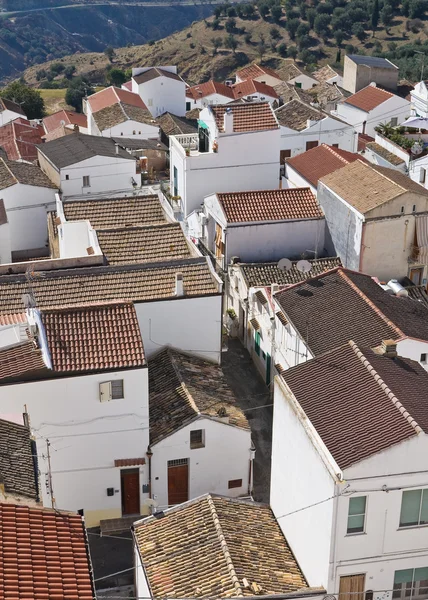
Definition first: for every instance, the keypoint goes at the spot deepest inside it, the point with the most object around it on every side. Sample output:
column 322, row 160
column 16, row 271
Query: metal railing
column 189, row 141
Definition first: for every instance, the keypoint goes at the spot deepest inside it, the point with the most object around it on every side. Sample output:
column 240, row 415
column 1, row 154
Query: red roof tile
column 246, row 117
column 113, row 95
column 43, row 554
column 363, row 140
column 270, row 205
column 129, row 462
column 19, row 139
column 93, row 338
column 320, row 161
column 210, row 87
column 253, row 71
column 20, row 361
column 128, row 85
column 251, row 86
column 368, row 98
column 66, row 117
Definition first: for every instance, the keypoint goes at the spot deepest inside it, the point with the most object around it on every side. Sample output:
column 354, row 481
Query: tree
column 30, row 100
column 116, row 77
column 375, row 16
column 231, row 43
column 249, row 11
column 339, row 36
column 387, row 17
column 276, row 12
column 230, row 25
column 78, row 89
column 359, row 32
column 263, row 10
column 282, row 49
column 69, row 71
column 109, row 52
column 261, row 50
column 417, row 9
column 292, row 26
column 216, row 42
column 321, row 25
column 405, row 6
column 40, row 74
column 274, row 33
column 311, row 14
column 292, row 52
column 231, row 11
column 216, row 24
column 247, row 38
column 302, row 35
column 217, row 11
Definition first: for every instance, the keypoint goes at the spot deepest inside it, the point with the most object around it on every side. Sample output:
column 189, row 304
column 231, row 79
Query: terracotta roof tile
column 20, row 361
column 17, row 467
column 369, row 98
column 84, row 286
column 119, row 113
column 111, row 213
column 324, row 74
column 13, row 172
column 270, row 205
column 246, row 117
column 349, row 383
column 296, row 114
column 240, row 540
column 129, row 462
column 393, row 159
column 94, row 338
column 321, row 161
column 44, row 554
column 363, row 140
column 20, row 138
column 143, row 244
column 154, row 73
column 66, row 117
column 113, row 95
column 173, row 125
column 182, row 387
column 208, row 88
column 251, row 86
column 6, row 104
column 264, row 274
column 253, row 71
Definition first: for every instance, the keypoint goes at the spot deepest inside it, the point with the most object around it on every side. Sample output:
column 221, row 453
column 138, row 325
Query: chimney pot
column 228, row 121
column 389, row 348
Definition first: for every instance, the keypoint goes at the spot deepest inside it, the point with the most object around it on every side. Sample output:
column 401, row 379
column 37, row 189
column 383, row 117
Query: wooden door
column 178, row 481
column 130, row 486
column 351, row 587
column 219, row 246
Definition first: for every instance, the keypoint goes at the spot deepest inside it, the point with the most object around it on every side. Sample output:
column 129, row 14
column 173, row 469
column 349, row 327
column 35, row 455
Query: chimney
column 117, row 148
column 179, row 288
column 389, row 348
column 228, row 121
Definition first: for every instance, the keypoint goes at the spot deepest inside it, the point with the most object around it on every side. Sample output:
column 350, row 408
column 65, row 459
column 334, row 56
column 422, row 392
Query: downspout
column 363, row 230
column 149, row 455
column 250, row 471
column 332, row 573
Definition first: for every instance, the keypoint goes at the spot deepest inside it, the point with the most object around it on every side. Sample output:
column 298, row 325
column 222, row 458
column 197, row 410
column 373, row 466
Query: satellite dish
column 304, row 266
column 62, row 122
column 285, row 264
column 417, row 148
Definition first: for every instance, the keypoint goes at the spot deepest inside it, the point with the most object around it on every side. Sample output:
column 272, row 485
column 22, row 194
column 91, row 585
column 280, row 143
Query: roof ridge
column 335, row 153
column 294, row 285
column 388, row 178
column 389, row 393
column 9, row 169
column 183, row 385
column 369, row 302
column 224, row 547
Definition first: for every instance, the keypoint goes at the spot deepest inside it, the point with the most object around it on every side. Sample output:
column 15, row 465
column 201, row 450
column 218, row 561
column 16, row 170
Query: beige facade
column 48, row 168
column 356, row 77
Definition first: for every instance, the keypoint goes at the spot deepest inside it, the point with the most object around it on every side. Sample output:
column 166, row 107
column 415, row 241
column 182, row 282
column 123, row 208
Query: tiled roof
column 324, row 74
column 290, row 71
column 369, row 98
column 393, row 159
column 363, row 140
column 418, row 292
column 19, row 139
column 140, row 144
column 154, row 73
column 287, row 92
column 94, row 338
column 173, row 125
column 113, row 95
column 59, row 132
column 143, row 244
column 353, row 307
column 44, row 555
column 320, row 161
column 251, row 86
column 111, row 213
column 346, row 395
column 20, row 361
column 75, row 148
column 366, row 186
column 12, row 172
column 17, row 467
column 246, row 117
column 138, row 283
column 6, row 104
column 119, row 113
column 270, row 205
column 64, row 117
column 182, row 387
column 323, row 93
column 296, row 114
column 127, row 86
column 253, row 71
column 208, row 88
column 264, row 274
column 221, row 548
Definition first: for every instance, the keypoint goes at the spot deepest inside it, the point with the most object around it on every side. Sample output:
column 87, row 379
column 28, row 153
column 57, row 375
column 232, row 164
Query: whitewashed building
column 208, row 93
column 9, row 111
column 348, row 471
column 259, row 73
column 235, row 149
column 27, row 195
column 254, row 91
column 328, row 75
column 161, row 89
column 304, row 127
column 82, row 164
column 191, row 446
column 371, row 106
column 419, row 99
column 85, row 388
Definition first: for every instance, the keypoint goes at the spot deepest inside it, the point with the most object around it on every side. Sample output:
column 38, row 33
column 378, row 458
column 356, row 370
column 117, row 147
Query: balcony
column 189, row 141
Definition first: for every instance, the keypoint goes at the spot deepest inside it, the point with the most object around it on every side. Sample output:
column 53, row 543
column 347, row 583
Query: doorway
column 178, row 481
column 351, row 587
column 130, row 489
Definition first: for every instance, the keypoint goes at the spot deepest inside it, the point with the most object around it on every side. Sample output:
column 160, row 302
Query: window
column 150, row 102
column 257, row 338
column 411, row 584
column 188, row 106
column 402, row 209
column 133, row 133
column 422, row 175
column 394, row 122
column 356, row 515
column 111, row 390
column 197, row 439
column 335, row 145
column 283, row 154
column 423, row 358
column 414, row 508
column 234, row 483
column 297, row 84
column 86, row 181
column 310, row 145
column 414, row 208
column 67, row 177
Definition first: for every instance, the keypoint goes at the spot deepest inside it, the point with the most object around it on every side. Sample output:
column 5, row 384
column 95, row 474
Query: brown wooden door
column 130, row 484
column 178, row 481
column 351, row 587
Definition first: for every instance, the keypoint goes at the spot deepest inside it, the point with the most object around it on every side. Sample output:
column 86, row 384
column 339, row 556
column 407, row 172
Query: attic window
column 234, row 483
column 197, row 439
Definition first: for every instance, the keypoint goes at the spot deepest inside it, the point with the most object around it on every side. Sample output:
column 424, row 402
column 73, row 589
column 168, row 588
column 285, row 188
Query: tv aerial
column 285, row 264
column 304, row 266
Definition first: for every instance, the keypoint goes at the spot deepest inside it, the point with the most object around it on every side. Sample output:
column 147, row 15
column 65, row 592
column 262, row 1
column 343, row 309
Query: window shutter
column 105, row 391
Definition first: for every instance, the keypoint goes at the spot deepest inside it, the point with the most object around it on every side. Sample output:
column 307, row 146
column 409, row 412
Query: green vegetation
column 30, row 100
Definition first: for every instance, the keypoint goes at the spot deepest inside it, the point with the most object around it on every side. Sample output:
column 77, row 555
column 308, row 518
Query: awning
column 202, row 125
column 422, row 238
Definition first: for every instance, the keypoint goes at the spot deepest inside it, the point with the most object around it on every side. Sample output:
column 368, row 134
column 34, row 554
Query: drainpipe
column 363, row 230
column 250, row 471
column 149, row 454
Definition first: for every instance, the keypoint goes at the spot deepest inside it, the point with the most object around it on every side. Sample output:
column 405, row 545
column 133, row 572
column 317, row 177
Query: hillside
column 37, row 37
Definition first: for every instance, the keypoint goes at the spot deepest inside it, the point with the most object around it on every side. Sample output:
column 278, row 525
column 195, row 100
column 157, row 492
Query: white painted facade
column 365, row 121
column 26, row 210
column 243, row 161
column 419, row 99
column 303, row 81
column 329, row 131
column 304, row 473
column 7, row 116
column 86, row 437
column 211, row 467
column 161, row 94
column 293, row 179
column 209, row 100
column 127, row 129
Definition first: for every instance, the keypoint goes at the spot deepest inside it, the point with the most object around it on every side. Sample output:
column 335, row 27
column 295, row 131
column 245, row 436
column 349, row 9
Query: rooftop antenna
column 304, row 266
column 285, row 264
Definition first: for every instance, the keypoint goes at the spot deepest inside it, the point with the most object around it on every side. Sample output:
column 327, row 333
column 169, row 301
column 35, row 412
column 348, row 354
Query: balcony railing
column 189, row 141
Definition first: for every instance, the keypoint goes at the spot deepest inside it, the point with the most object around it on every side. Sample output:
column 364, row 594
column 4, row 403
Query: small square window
column 414, row 208
column 197, row 439
column 394, row 122
column 423, row 358
column 117, row 389
column 234, row 483
column 86, row 181
column 422, row 175
column 133, row 133
column 335, row 145
column 150, row 102
column 67, row 177
column 402, row 209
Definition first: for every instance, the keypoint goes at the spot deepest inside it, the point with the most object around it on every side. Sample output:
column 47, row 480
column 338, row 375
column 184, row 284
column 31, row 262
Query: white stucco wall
column 107, row 174
column 133, row 129
column 26, row 208
column 327, row 131
column 162, row 94
column 293, row 179
column 6, row 116
column 291, row 349
column 211, row 99
column 393, row 107
column 86, row 436
column 5, row 244
column 226, row 456
column 306, row 82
